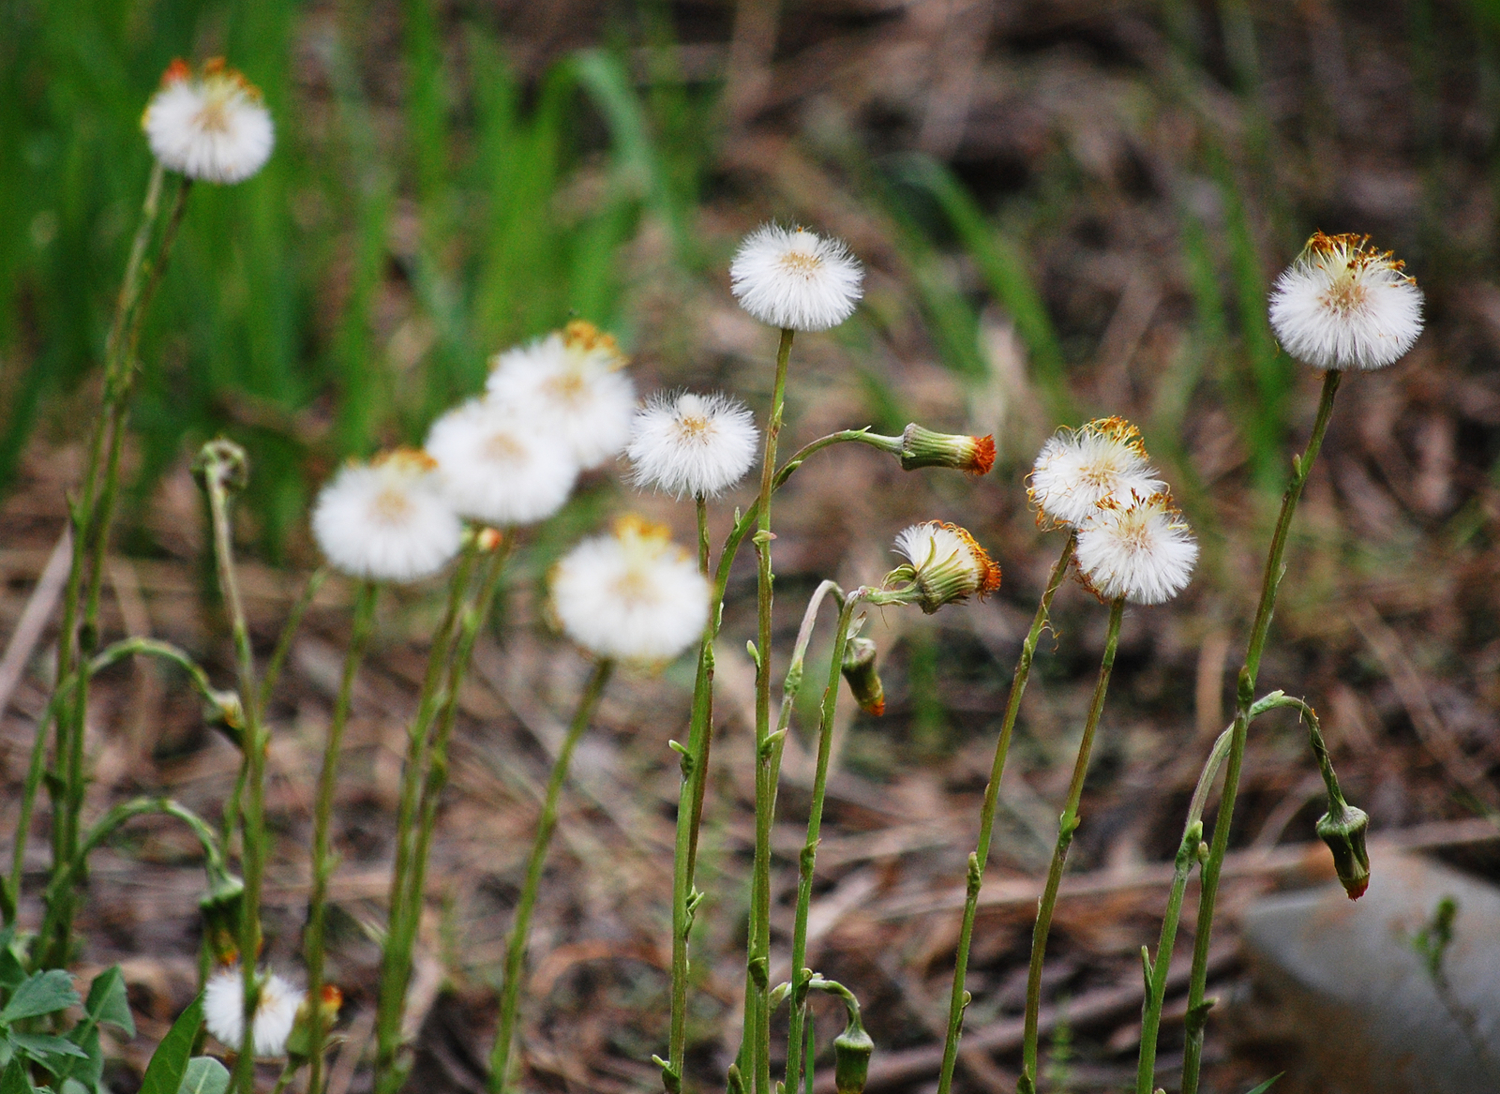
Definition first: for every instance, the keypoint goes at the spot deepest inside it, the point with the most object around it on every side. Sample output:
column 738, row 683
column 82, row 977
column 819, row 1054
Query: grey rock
column 1340, row 983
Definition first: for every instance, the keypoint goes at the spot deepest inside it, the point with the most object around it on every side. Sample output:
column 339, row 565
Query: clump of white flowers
column 691, row 445
column 1342, row 304
column 944, row 564
column 497, row 465
column 794, row 279
column 1144, row 552
column 275, row 1010
column 633, row 595
column 211, row 126
column 387, row 520
column 1100, row 463
column 573, row 385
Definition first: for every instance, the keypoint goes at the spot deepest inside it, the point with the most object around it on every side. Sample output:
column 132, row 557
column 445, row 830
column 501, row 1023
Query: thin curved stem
column 1197, row 1009
column 808, row 858
column 1067, row 826
column 289, row 630
column 515, row 953
column 959, row 998
column 323, row 861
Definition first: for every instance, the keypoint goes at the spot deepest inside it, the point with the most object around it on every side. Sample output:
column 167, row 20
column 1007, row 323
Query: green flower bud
column 925, row 448
column 221, row 907
column 1343, row 829
column 851, row 1057
column 864, row 680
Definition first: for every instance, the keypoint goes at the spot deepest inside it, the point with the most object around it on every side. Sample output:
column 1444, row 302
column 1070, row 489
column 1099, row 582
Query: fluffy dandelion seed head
column 497, row 465
column 691, row 444
column 1144, row 552
column 387, row 520
column 633, row 595
column 275, row 1012
column 1342, row 304
column 574, row 385
column 795, row 279
column 210, row 126
column 1078, row 470
column 945, row 563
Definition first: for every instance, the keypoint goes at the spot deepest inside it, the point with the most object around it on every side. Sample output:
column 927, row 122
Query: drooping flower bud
column 864, row 679
column 220, row 908
column 921, row 447
column 1343, row 828
column 299, row 1044
column 851, row 1057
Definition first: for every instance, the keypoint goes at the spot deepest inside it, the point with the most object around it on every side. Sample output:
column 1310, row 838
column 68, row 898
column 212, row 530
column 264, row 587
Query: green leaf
column 14, row 1080
column 39, row 1046
column 1265, row 1086
column 204, row 1075
column 170, row 1060
column 90, row 1070
column 43, row 993
column 108, row 1002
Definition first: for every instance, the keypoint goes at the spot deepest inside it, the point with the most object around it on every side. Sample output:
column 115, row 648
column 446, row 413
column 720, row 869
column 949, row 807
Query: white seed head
column 1100, row 463
column 795, row 279
column 1343, row 305
column 387, row 520
column 1144, row 552
column 633, row 595
column 211, row 126
column 275, row 1011
column 573, row 382
column 691, row 444
column 497, row 466
column 946, row 564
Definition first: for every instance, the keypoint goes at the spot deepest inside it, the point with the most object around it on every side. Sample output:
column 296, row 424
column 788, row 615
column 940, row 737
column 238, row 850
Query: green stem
column 1067, row 826
column 289, row 633
column 323, row 861
column 515, row 954
column 1156, row 972
column 808, row 859
column 1197, row 1012
column 759, row 961
column 959, row 999
column 395, row 968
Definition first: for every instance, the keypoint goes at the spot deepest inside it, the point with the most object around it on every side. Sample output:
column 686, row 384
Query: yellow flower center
column 800, row 262
column 391, row 506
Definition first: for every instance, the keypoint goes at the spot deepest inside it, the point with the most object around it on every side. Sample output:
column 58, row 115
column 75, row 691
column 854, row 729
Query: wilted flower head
column 922, row 447
column 1144, row 552
column 573, row 383
column 387, row 520
column 633, row 595
column 1343, row 305
column 1100, row 463
column 795, row 279
column 275, row 1011
column 212, row 126
column 691, row 444
column 944, row 564
column 497, row 466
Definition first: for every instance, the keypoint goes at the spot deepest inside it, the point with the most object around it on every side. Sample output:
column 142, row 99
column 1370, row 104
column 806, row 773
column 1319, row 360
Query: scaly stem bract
column 515, row 953
column 1067, row 826
column 808, row 859
column 323, row 860
column 1197, row 1012
column 960, row 997
column 759, row 961
column 1156, row 972
column 395, row 966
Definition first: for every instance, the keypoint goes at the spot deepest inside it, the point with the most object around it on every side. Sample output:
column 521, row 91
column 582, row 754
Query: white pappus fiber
column 212, row 126
column 793, row 279
column 691, row 444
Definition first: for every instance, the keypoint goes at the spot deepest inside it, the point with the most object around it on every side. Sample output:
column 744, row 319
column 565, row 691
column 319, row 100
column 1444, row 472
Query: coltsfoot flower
column 573, row 382
column 211, row 126
column 691, row 444
column 944, row 564
column 633, row 595
column 1102, row 462
column 1144, row 552
column 387, row 520
column 922, row 447
column 795, row 279
column 276, row 1011
column 1342, row 304
column 497, row 466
